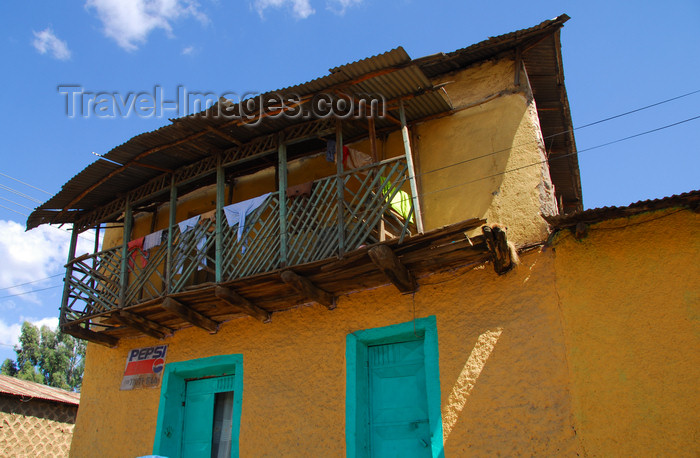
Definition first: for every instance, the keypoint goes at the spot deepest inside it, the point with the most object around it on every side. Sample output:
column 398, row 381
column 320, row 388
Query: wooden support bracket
column 391, row 266
column 148, row 327
column 498, row 246
column 190, row 315
column 307, row 289
column 95, row 337
column 240, row 303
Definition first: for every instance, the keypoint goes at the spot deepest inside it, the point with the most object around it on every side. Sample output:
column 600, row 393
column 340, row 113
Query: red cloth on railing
column 136, row 245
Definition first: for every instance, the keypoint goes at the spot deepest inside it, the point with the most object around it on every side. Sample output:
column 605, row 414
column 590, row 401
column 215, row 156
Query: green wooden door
column 398, row 401
column 206, row 430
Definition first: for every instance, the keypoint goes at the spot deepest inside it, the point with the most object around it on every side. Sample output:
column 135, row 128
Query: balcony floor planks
column 438, row 250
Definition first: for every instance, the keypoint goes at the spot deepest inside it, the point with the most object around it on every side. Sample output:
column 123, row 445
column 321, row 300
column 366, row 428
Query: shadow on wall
column 467, row 380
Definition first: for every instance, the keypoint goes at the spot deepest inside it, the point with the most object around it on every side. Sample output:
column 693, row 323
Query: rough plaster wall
column 34, row 428
column 500, row 135
column 502, row 370
column 631, row 309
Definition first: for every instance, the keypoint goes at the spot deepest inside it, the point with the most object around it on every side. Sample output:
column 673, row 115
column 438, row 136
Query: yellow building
column 256, row 295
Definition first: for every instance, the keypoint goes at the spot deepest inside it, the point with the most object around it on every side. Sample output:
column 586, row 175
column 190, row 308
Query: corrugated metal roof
column 689, row 199
column 24, row 389
column 391, row 74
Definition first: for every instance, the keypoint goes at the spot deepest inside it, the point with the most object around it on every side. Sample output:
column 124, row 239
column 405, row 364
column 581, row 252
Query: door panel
column 208, row 417
column 199, row 418
column 398, row 404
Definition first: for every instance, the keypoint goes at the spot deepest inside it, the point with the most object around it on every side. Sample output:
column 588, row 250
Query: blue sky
column 618, row 56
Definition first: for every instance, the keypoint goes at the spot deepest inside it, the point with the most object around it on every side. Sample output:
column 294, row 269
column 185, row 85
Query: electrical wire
column 563, row 155
column 21, row 194
column 471, row 159
column 26, row 184
column 29, row 292
column 30, row 282
column 13, row 202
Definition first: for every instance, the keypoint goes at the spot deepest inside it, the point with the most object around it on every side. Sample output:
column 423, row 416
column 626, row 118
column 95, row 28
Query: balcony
column 312, row 248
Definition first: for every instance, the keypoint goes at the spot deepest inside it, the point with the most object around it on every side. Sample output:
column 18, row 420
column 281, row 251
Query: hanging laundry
column 134, row 248
column 236, row 213
column 153, row 240
column 354, row 159
column 401, row 202
column 188, row 224
column 330, row 150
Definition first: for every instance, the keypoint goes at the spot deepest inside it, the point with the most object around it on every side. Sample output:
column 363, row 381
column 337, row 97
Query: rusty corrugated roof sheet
column 689, row 200
column 30, row 390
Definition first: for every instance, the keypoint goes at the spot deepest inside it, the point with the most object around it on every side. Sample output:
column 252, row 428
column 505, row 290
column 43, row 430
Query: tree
column 47, row 356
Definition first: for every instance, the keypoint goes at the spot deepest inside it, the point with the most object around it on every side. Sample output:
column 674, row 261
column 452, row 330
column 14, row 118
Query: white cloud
column 33, row 255
column 340, row 6
column 187, row 50
column 300, row 8
column 128, row 22
column 9, row 333
column 47, row 42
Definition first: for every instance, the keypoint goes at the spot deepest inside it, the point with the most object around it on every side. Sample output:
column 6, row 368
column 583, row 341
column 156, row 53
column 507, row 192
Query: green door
column 398, row 401
column 208, row 416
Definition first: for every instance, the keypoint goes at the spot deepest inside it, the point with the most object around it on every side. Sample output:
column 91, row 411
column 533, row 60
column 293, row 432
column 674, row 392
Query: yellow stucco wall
column 502, row 370
column 630, row 295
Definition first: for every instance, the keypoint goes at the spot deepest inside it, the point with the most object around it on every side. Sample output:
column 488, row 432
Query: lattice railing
column 93, row 285
column 340, row 213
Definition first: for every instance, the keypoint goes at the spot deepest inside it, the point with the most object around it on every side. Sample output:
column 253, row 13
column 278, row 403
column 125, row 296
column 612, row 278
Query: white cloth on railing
column 236, row 213
column 188, row 224
column 153, row 240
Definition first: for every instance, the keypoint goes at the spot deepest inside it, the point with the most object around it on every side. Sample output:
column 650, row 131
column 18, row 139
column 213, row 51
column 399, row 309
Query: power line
column 636, row 110
column 26, row 184
column 29, row 292
column 471, row 159
column 563, row 155
column 8, row 208
column 13, row 202
column 21, row 194
column 30, row 282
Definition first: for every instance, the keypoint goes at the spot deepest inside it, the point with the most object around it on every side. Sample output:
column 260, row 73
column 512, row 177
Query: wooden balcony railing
column 375, row 206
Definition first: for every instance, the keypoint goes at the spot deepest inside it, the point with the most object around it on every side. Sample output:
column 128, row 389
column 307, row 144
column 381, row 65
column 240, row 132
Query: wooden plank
column 391, row 266
column 95, row 337
column 240, row 303
column 190, row 315
column 411, row 170
column 148, row 327
column 307, row 289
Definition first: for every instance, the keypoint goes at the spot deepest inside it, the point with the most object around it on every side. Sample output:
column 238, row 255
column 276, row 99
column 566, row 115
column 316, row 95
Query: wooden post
column 172, row 213
column 372, row 138
column 69, row 274
column 220, row 191
column 340, row 186
column 411, row 170
column 282, row 172
column 124, row 274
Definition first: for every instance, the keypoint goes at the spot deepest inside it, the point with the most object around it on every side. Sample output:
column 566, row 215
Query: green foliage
column 47, row 356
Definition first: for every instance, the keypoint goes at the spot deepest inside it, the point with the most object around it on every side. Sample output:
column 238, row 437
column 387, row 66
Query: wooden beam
column 242, row 304
column 391, row 266
column 95, row 337
column 190, row 315
column 498, row 246
column 307, row 289
column 148, row 327
column 224, row 136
